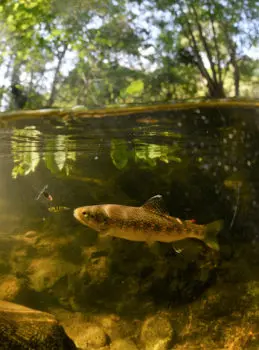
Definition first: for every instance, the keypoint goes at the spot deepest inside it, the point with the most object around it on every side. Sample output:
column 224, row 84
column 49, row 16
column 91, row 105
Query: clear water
column 205, row 163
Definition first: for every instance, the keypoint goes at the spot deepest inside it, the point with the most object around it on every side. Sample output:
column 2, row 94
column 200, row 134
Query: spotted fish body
column 148, row 223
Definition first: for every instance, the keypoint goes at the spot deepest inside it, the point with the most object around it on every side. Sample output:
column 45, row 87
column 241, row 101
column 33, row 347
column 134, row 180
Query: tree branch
column 205, row 44
column 199, row 61
column 215, row 43
column 233, row 59
column 57, row 71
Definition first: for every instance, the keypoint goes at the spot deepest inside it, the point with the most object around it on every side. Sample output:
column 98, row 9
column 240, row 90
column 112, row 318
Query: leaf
column 135, row 88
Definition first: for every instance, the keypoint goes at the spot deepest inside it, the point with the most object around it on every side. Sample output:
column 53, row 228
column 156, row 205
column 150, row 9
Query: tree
column 41, row 34
column 209, row 35
column 62, row 53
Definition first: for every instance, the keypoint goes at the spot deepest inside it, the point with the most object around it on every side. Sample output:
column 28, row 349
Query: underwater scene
column 130, row 229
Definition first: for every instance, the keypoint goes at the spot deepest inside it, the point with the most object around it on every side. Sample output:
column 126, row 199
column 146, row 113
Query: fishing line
column 235, row 207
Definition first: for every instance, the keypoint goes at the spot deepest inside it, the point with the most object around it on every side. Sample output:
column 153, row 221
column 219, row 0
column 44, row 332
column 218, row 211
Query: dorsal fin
column 156, row 204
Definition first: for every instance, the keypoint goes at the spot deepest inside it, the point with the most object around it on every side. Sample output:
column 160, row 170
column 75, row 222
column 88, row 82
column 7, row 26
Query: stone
column 93, row 337
column 111, row 325
column 31, row 234
column 25, row 328
column 10, row 287
column 84, row 332
column 156, row 333
column 123, row 344
column 45, row 272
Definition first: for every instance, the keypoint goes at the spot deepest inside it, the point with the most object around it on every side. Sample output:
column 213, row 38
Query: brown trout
column 147, row 223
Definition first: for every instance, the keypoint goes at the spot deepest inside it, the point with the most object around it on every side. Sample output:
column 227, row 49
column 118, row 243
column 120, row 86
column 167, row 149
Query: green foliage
column 77, row 52
column 209, row 36
column 135, row 88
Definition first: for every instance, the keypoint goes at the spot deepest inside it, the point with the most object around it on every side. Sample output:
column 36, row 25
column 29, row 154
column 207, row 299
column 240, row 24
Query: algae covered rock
column 92, row 337
column 157, row 333
column 24, row 328
column 10, row 287
column 86, row 330
column 45, row 272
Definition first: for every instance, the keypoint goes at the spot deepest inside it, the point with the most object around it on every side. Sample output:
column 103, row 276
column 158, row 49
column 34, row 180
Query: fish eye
column 84, row 213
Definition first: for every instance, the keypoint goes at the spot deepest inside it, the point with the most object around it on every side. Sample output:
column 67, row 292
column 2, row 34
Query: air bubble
column 226, row 167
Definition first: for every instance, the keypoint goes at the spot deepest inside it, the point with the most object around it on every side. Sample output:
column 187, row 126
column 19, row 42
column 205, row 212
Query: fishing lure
column 43, row 192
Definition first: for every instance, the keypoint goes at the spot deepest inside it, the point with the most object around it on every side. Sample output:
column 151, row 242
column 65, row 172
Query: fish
column 148, row 223
column 43, row 192
column 57, row 209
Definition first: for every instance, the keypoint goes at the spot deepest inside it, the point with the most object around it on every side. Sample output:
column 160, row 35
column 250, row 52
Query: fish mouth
column 78, row 215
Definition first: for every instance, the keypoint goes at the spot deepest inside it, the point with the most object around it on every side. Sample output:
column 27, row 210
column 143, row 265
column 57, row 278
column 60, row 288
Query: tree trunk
column 236, row 73
column 233, row 60
column 18, row 96
column 216, row 90
column 57, row 71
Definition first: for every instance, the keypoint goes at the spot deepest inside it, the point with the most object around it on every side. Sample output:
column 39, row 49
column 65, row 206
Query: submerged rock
column 92, row 337
column 86, row 332
column 123, row 344
column 45, row 272
column 157, row 333
column 10, row 286
column 30, row 234
column 24, row 328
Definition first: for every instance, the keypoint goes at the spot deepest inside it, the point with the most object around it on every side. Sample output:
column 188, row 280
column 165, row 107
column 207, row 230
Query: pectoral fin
column 177, row 251
column 154, row 247
column 104, row 233
column 104, row 242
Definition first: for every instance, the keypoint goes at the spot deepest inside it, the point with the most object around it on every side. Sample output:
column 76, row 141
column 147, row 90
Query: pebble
column 30, row 234
column 92, row 338
column 157, row 333
column 123, row 344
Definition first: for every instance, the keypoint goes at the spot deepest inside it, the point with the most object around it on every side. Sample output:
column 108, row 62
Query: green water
column 205, row 163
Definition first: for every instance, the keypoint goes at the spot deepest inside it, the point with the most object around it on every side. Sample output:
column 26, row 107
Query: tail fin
column 211, row 231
